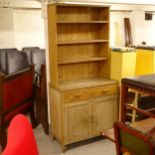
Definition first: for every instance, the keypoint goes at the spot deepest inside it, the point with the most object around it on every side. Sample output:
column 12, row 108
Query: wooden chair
column 131, row 141
column 41, row 100
column 16, row 96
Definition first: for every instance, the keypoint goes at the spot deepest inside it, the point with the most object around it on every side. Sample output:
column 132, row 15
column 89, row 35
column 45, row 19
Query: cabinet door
column 77, row 121
column 104, row 113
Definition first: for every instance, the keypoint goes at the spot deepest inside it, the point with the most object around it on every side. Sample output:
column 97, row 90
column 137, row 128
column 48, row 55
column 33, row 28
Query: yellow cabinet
column 122, row 64
column 145, row 61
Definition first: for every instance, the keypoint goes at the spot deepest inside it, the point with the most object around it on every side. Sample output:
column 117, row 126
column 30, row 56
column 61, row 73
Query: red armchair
column 21, row 140
column 16, row 96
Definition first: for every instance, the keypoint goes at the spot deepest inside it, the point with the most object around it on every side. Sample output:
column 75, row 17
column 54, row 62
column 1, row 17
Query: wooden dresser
column 83, row 100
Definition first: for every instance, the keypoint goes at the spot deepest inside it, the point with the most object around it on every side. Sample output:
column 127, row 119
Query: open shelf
column 82, row 22
column 82, row 42
column 82, row 60
column 84, row 13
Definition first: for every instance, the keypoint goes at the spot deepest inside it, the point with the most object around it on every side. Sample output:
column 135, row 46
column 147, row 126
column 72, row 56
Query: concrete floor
column 96, row 146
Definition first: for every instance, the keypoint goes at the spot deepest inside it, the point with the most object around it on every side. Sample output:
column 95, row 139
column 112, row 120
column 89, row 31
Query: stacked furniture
column 16, row 97
column 83, row 98
column 141, row 133
column 131, row 141
column 18, row 93
column 37, row 56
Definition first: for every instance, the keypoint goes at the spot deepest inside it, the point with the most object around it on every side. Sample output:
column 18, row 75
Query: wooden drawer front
column 75, row 95
column 88, row 93
column 104, row 90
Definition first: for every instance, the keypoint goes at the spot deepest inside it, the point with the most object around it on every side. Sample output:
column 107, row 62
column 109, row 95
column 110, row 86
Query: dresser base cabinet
column 79, row 114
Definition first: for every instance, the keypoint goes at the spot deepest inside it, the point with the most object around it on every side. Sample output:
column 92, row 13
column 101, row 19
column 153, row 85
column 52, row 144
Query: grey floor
column 93, row 147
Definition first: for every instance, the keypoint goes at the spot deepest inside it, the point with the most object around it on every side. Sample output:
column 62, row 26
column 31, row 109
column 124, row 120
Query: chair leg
column 33, row 118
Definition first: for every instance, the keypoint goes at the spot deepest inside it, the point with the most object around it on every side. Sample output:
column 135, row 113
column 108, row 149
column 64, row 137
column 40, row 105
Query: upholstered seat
column 29, row 51
column 16, row 61
column 128, row 139
column 3, row 66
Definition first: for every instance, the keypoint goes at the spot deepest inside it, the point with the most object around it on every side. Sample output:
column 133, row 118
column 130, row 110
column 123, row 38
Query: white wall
column 6, row 28
column 117, row 18
column 21, row 24
column 20, row 28
column 28, row 28
column 142, row 30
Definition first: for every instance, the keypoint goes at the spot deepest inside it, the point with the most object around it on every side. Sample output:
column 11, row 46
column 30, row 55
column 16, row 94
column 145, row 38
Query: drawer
column 88, row 93
column 75, row 95
column 104, row 90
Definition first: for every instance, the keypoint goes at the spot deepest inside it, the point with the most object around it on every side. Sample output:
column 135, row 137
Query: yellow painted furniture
column 123, row 63
column 145, row 63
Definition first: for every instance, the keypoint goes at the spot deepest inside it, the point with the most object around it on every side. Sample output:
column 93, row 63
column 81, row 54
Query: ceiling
column 140, row 2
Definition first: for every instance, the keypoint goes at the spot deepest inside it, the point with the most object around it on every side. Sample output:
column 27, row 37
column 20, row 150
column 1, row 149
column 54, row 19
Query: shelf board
column 82, row 22
column 82, row 42
column 82, row 60
column 85, row 82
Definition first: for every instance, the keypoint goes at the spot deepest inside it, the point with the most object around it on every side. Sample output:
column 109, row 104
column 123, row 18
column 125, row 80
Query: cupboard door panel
column 104, row 113
column 77, row 121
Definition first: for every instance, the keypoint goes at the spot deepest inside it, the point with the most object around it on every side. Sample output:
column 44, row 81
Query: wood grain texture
column 83, row 98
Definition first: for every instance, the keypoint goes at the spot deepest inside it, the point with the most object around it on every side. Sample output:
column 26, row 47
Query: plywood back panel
column 80, row 51
column 75, row 32
column 83, row 70
column 82, row 13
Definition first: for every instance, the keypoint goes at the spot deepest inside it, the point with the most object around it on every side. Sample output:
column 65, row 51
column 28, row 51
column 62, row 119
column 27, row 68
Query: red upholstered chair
column 16, row 96
column 21, row 140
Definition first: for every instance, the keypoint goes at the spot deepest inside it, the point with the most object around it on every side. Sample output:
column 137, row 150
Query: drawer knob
column 105, row 91
column 75, row 96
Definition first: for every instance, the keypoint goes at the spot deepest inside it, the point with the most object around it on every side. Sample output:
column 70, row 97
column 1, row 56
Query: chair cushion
column 28, row 51
column 3, row 66
column 38, row 58
column 16, row 61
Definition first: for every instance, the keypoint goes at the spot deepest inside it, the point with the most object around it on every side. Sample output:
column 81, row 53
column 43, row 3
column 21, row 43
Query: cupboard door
column 77, row 121
column 104, row 113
